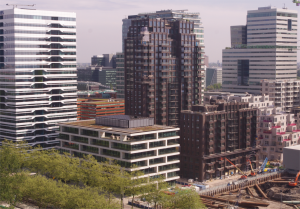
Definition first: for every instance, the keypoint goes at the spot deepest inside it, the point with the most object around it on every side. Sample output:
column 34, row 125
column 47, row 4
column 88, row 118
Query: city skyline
column 109, row 15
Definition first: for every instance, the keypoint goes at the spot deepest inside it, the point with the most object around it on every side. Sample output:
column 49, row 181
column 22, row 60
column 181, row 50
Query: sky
column 99, row 22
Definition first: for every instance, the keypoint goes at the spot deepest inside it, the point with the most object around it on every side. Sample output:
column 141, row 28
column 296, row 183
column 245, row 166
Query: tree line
column 64, row 181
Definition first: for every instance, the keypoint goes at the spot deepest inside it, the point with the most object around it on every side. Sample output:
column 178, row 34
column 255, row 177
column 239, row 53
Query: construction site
column 269, row 190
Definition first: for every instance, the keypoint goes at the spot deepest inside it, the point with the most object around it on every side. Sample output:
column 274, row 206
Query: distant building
column 98, row 60
column 238, row 35
column 103, row 75
column 206, row 61
column 105, row 60
column 120, row 76
column 208, row 133
column 129, row 140
column 257, row 51
column 92, row 108
column 106, row 94
column 213, row 76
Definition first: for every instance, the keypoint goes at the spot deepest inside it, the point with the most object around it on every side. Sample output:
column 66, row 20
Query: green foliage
column 214, row 86
column 188, row 198
column 64, row 181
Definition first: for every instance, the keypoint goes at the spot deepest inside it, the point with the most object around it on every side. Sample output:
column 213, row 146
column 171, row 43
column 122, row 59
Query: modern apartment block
column 92, row 108
column 276, row 129
column 213, row 76
column 284, row 93
column 129, row 140
column 38, row 80
column 213, row 131
column 267, row 50
column 167, row 14
column 163, row 68
column 120, row 76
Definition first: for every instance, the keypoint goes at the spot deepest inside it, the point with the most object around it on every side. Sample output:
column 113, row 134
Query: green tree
column 156, row 195
column 187, row 198
column 12, row 158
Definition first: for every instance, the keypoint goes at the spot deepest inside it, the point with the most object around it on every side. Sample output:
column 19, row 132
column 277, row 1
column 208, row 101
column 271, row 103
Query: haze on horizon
column 99, row 22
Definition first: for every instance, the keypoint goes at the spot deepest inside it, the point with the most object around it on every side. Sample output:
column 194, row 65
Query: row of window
column 10, row 16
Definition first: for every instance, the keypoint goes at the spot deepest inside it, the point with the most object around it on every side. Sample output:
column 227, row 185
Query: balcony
column 210, row 171
column 280, row 133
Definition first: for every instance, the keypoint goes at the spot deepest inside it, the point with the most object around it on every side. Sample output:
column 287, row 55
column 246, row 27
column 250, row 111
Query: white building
column 38, row 80
column 284, row 93
column 266, row 51
column 130, row 140
column 291, row 160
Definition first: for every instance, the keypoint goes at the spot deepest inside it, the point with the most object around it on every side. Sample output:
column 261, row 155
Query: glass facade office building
column 268, row 50
column 38, row 80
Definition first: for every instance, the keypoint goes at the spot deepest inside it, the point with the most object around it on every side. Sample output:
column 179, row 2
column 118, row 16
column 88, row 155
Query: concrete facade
column 153, row 149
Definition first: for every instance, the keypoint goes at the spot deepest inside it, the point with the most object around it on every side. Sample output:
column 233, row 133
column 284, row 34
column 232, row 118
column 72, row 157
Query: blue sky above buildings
column 99, row 22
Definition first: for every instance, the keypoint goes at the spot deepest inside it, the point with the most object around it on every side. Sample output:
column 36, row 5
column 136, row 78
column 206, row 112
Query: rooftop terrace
column 92, row 125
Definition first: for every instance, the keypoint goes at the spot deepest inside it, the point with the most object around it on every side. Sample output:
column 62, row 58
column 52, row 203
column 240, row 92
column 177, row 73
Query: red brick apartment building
column 208, row 133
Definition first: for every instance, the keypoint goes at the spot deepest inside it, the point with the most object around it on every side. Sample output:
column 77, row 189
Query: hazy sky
column 99, row 22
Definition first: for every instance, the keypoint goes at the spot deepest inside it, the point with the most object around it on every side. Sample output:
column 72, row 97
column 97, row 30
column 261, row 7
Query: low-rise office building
column 130, row 140
column 211, row 132
column 92, row 108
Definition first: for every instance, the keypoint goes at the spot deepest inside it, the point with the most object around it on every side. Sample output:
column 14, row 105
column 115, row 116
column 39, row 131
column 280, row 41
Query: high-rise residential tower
column 263, row 49
column 164, row 61
column 38, row 79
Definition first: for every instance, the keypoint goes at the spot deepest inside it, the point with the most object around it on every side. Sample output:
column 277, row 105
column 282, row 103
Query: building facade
column 163, row 69
column 38, row 74
column 213, row 76
column 90, row 108
column 98, row 60
column 269, row 53
column 284, row 93
column 104, row 75
column 276, row 128
column 120, row 78
column 167, row 14
column 211, row 132
column 152, row 148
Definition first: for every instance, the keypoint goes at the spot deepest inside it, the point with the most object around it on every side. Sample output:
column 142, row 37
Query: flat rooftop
column 92, row 124
column 296, row 147
column 98, row 101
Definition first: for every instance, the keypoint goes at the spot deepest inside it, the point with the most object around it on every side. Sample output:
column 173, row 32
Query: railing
column 241, row 183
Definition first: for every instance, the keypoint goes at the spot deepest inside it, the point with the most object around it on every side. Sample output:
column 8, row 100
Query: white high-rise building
column 38, row 80
column 266, row 48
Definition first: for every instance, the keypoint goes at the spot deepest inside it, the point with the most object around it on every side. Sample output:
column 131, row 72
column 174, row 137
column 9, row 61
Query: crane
column 262, row 168
column 16, row 5
column 295, row 182
column 252, row 171
column 244, row 176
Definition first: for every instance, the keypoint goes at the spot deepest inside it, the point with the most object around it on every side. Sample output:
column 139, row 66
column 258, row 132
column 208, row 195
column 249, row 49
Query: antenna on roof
column 16, row 5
